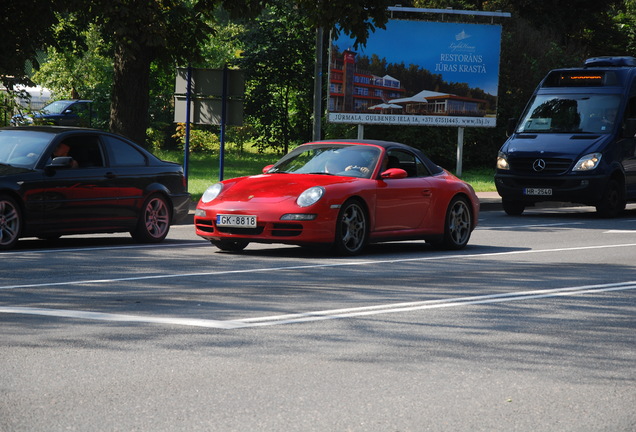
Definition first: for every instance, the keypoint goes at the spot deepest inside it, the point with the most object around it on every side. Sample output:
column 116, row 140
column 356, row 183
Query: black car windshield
column 22, row 148
column 571, row 113
column 330, row 159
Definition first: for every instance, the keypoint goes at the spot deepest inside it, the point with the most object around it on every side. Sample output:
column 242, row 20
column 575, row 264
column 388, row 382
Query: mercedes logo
column 538, row 165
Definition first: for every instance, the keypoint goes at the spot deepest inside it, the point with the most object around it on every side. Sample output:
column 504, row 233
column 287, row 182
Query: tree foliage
column 278, row 62
column 273, row 41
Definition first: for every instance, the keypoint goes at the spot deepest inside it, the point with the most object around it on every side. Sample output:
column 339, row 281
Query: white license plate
column 538, row 191
column 236, row 221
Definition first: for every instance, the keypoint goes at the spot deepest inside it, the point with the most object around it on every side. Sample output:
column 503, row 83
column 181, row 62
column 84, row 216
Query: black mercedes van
column 575, row 140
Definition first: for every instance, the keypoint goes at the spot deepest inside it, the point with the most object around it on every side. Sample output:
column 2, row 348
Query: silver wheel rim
column 459, row 222
column 157, row 218
column 9, row 223
column 353, row 227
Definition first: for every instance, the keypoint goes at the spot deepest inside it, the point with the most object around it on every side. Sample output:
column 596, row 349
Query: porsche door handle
column 110, row 175
column 427, row 192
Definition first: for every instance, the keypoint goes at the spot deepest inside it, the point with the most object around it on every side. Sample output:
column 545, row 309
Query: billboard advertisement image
column 417, row 73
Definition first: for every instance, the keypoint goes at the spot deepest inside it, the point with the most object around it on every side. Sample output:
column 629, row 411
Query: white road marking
column 317, row 315
column 326, row 314
column 501, row 227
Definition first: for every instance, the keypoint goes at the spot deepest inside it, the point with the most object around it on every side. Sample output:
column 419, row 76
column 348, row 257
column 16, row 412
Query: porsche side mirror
column 267, row 168
column 394, row 173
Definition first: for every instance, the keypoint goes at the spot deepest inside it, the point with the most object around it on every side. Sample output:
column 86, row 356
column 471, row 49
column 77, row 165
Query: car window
column 122, row 153
column 85, row 150
column 408, row 162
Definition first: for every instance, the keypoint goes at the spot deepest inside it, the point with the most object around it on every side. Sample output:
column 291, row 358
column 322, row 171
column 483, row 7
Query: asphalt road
column 530, row 328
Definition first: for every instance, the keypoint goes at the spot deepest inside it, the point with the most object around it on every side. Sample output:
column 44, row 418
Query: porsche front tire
column 352, row 228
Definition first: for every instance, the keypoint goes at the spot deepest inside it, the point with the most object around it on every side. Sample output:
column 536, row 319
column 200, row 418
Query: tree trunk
column 130, row 94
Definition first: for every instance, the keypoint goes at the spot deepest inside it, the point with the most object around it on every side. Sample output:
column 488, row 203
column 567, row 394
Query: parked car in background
column 59, row 113
column 56, row 181
column 342, row 194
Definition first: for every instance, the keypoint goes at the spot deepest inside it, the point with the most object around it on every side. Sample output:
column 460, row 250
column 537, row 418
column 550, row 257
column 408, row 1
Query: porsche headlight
column 502, row 162
column 310, row 196
column 212, row 192
column 588, row 162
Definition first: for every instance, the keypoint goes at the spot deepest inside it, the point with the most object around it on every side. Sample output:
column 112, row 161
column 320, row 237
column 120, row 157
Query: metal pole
column 460, row 151
column 186, row 148
column 360, row 131
column 318, row 85
column 223, row 121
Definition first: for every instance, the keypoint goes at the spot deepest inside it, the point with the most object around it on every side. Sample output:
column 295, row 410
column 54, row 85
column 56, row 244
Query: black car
column 74, row 112
column 56, row 181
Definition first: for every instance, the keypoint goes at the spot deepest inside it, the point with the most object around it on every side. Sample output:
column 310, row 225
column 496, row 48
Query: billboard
column 417, row 73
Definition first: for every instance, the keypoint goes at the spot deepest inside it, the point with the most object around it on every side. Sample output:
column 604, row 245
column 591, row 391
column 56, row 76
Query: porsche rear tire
column 230, row 245
column 458, row 224
column 352, row 228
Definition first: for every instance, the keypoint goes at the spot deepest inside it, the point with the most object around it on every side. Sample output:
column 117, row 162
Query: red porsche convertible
column 341, row 193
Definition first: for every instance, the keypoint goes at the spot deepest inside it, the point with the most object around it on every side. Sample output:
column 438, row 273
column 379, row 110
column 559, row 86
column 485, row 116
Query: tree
column 25, row 25
column 81, row 69
column 278, row 61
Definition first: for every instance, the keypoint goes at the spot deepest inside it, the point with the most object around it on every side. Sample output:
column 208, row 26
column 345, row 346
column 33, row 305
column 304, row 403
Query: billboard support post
column 460, row 151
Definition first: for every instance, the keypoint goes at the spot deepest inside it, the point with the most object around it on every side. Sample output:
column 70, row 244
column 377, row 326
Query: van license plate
column 537, row 191
column 236, row 221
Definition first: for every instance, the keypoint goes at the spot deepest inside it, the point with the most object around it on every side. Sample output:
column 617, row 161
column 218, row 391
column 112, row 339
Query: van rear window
column 580, row 78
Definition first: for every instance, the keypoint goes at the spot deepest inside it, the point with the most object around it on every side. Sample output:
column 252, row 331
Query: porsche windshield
column 330, row 159
column 22, row 148
column 571, row 113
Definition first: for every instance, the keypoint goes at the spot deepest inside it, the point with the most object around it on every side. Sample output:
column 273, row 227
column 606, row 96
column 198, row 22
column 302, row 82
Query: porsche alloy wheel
column 458, row 224
column 154, row 222
column 10, row 222
column 352, row 229
column 230, row 245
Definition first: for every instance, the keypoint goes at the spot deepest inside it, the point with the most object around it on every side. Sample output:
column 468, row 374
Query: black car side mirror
column 60, row 162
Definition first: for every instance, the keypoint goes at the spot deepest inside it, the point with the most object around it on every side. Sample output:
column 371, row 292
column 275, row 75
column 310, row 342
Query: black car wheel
column 154, row 222
column 458, row 224
column 10, row 222
column 352, row 228
column 513, row 208
column 613, row 201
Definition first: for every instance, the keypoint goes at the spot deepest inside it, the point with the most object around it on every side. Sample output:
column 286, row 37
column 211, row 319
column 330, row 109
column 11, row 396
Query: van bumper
column 586, row 190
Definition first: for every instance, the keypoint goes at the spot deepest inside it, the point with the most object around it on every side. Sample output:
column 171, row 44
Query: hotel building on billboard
column 353, row 90
column 356, row 91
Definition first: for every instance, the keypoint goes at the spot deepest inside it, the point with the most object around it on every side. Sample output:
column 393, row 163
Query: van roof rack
column 615, row 61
